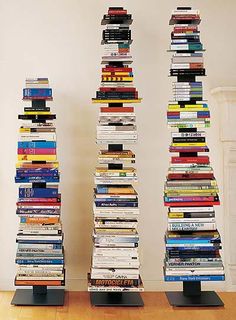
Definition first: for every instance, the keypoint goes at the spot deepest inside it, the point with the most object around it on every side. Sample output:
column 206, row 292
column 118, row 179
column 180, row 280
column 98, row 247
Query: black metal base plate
column 205, row 299
column 25, row 297
column 113, row 299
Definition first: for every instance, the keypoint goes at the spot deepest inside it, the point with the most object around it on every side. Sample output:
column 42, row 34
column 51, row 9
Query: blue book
column 40, row 261
column 36, row 179
column 37, row 144
column 52, row 171
column 37, row 192
column 116, row 200
column 195, row 278
column 39, row 241
column 194, row 248
column 37, row 92
column 195, row 241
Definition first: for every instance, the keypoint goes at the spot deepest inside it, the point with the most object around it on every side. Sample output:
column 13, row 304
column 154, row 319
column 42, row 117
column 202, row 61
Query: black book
column 30, row 109
column 184, row 140
column 36, row 117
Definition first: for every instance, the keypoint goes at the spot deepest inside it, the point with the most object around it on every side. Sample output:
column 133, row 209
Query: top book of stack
column 185, row 15
column 117, row 15
column 37, row 89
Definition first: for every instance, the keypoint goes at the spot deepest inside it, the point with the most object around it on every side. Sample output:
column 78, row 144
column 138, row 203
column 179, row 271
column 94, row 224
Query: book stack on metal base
column 114, row 279
column 192, row 240
column 40, row 254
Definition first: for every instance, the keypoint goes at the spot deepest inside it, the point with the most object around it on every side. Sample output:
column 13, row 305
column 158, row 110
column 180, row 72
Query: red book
column 188, row 149
column 190, row 176
column 185, row 17
column 32, row 204
column 185, row 29
column 36, row 151
column 114, row 69
column 108, row 89
column 192, row 204
column 200, row 159
column 117, row 109
column 117, row 12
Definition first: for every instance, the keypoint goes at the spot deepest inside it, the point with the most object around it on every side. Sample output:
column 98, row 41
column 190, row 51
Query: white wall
column 61, row 40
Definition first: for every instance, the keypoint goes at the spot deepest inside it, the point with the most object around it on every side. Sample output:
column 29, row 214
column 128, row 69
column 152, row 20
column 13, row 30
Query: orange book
column 39, row 283
column 39, row 220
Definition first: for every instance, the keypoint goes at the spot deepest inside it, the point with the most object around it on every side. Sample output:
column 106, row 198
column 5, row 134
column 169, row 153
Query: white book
column 38, row 232
column 116, row 141
column 38, row 237
column 29, row 278
column 185, row 11
column 181, row 84
column 198, row 134
column 37, row 136
column 191, row 209
column 115, row 252
column 39, row 273
column 117, row 225
column 186, row 91
column 116, row 264
column 114, row 245
column 118, row 114
column 191, row 226
column 39, row 267
column 180, row 34
column 180, row 65
column 35, row 85
column 185, row 54
column 174, row 41
column 114, row 289
column 191, row 220
column 117, row 129
column 115, row 180
column 116, row 210
column 120, row 84
column 114, row 273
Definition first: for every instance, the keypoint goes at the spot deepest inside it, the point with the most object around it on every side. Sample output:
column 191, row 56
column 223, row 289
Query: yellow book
column 30, row 165
column 37, row 112
column 116, row 100
column 189, row 144
column 188, row 109
column 187, row 106
column 176, row 215
column 117, row 79
column 115, row 74
column 36, row 157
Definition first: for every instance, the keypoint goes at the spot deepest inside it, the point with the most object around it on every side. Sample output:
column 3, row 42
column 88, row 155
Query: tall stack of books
column 192, row 240
column 115, row 260
column 40, row 256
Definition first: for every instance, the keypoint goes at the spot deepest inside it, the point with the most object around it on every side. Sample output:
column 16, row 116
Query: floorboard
column 77, row 306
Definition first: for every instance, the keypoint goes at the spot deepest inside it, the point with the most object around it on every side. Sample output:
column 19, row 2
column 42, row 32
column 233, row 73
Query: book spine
column 34, row 151
column 33, row 92
column 195, row 278
column 37, row 192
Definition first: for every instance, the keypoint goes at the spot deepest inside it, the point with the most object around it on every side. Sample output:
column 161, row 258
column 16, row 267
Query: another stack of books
column 187, row 60
column 115, row 261
column 40, row 256
column 192, row 241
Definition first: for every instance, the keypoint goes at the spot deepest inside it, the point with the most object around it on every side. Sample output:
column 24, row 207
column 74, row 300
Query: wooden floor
column 77, row 307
